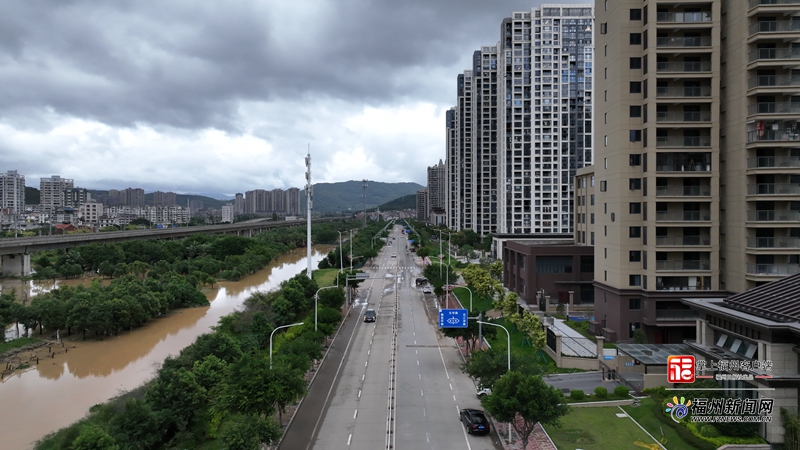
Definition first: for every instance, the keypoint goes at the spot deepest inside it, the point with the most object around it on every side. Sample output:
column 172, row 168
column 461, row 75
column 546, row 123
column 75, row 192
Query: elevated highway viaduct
column 15, row 252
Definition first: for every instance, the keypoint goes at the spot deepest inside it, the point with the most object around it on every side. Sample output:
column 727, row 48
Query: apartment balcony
column 772, row 269
column 683, row 141
column 773, row 216
column 683, row 216
column 683, row 117
column 777, row 83
column 687, row 91
column 773, row 162
column 683, row 167
column 683, row 42
column 773, row 242
column 774, row 29
column 683, row 241
column 775, row 3
column 683, row 191
column 683, row 67
column 771, row 189
column 676, row 314
column 683, row 17
column 774, row 55
column 773, row 108
column 683, row 283
column 684, row 265
column 773, row 135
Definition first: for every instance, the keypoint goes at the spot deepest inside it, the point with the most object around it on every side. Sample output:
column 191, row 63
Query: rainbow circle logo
column 679, row 409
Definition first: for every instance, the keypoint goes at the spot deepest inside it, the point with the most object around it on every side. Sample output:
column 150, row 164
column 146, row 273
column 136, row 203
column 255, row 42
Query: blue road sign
column 608, row 357
column 453, row 318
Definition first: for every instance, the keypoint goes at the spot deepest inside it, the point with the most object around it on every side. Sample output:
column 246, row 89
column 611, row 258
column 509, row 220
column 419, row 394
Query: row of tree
column 103, row 310
column 365, row 245
column 205, row 257
column 222, row 390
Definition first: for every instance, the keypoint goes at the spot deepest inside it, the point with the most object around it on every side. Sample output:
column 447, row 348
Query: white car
column 394, row 255
column 427, row 290
column 484, row 391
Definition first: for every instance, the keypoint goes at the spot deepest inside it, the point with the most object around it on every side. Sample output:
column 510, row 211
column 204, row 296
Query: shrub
column 708, row 430
column 621, row 391
column 600, row 392
column 577, row 394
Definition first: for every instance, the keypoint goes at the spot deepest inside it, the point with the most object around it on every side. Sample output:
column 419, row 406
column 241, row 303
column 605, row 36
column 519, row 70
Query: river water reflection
column 60, row 391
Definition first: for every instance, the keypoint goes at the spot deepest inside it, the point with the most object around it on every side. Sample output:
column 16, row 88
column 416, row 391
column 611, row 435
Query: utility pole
column 309, row 196
column 364, row 184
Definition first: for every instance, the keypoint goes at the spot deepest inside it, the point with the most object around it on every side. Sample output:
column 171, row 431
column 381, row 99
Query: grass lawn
column 325, row 277
column 644, row 415
column 16, row 343
column 599, row 429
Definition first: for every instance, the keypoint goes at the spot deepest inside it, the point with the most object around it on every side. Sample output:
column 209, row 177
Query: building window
column 591, row 218
column 592, row 237
column 635, row 135
column 605, row 160
column 591, row 199
column 554, row 264
column 604, row 28
column 636, row 14
column 603, row 186
column 635, row 280
column 635, row 160
column 635, row 232
column 635, row 111
column 636, row 39
column 635, row 208
column 635, row 256
column 605, row 75
column 635, row 184
column 605, row 143
column 634, row 303
column 635, row 62
column 636, row 87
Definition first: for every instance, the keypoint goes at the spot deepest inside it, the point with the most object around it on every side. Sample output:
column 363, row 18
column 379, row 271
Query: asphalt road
column 396, row 383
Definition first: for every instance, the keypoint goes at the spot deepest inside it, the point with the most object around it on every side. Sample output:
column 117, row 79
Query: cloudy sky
column 222, row 97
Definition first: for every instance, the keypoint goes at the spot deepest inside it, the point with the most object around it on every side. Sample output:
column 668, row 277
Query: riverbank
column 54, row 395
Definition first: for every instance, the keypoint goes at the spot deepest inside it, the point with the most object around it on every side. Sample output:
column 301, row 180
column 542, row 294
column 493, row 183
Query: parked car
column 427, row 290
column 475, row 421
column 421, row 280
column 484, row 391
column 394, row 255
column 370, row 315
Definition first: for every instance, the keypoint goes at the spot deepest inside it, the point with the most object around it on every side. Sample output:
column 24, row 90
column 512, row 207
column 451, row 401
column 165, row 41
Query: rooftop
column 655, row 354
column 777, row 300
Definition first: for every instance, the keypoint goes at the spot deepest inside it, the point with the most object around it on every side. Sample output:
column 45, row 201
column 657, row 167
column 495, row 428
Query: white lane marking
column 428, row 437
column 451, row 386
column 464, row 430
column 362, row 377
column 446, row 372
column 368, row 352
column 454, row 398
column 416, row 352
column 355, row 414
column 424, row 412
column 420, row 376
column 422, row 393
column 359, row 393
column 415, row 342
column 417, row 362
column 349, row 438
column 365, row 363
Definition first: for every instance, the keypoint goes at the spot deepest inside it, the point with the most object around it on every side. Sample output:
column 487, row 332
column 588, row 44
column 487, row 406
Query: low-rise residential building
column 228, row 213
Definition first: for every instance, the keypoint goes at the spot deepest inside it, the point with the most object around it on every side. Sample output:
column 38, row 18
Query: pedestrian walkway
column 572, row 342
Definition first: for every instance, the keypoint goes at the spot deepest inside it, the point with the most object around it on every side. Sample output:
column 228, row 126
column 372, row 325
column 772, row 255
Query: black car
column 475, row 421
column 369, row 316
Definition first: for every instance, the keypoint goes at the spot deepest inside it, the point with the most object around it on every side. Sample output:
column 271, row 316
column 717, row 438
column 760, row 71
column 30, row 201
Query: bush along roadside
column 223, row 391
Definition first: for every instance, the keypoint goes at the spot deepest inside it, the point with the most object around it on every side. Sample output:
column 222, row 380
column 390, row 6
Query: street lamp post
column 351, row 250
column 509, row 360
column 341, row 264
column 316, row 301
column 270, row 340
column 470, row 297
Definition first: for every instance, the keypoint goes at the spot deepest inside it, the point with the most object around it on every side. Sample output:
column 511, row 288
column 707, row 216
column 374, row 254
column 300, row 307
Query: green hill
column 405, row 202
column 349, row 195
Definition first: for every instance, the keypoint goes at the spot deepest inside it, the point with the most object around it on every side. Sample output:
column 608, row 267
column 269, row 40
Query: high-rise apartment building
column 75, row 197
column 523, row 125
column 238, row 204
column 437, row 187
column 164, row 199
column 227, row 213
column 697, row 178
column 292, row 201
column 12, row 192
column 51, row 192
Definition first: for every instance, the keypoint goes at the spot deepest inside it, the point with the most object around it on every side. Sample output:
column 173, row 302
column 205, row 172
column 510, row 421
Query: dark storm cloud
column 190, row 64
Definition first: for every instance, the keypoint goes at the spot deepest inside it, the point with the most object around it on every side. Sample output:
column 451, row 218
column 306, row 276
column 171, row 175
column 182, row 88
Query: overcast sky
column 223, row 97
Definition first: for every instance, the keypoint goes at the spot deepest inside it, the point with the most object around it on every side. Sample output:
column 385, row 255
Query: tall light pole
column 270, row 340
column 440, row 254
column 351, row 250
column 309, row 196
column 509, row 360
column 365, row 201
column 470, row 297
column 341, row 264
column 316, row 301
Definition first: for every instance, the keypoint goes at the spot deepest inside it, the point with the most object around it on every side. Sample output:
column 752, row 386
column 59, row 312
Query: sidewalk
column 538, row 439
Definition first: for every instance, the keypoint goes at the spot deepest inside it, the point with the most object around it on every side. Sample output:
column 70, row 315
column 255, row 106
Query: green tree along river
column 60, row 391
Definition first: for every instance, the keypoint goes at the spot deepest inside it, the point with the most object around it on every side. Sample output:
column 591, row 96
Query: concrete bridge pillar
column 17, row 265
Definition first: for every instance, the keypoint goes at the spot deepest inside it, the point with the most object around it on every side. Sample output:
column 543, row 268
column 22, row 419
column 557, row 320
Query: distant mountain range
column 349, row 195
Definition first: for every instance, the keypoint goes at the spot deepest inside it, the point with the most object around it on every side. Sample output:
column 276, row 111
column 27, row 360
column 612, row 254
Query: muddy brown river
column 60, row 391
